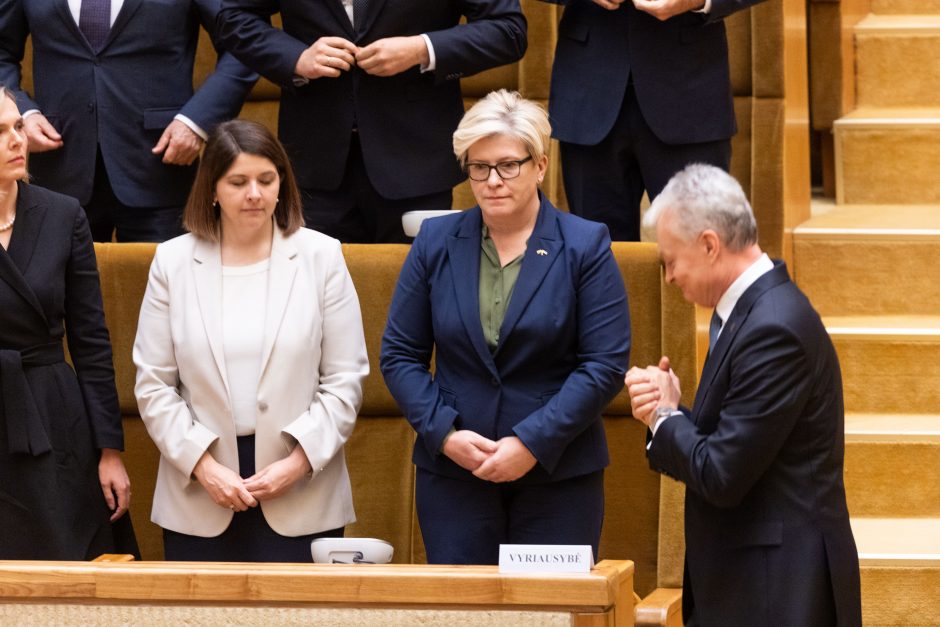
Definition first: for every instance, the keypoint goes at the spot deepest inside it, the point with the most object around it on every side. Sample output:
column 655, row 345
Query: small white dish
column 411, row 220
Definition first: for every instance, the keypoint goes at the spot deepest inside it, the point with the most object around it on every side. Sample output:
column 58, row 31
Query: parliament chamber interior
column 838, row 149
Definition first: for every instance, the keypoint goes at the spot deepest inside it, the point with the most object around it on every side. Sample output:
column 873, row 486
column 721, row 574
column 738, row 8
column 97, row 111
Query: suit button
column 91, row 107
column 262, row 406
column 495, row 382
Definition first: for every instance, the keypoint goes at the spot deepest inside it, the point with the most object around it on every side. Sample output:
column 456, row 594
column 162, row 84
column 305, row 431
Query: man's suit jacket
column 563, row 348
column 405, row 122
column 51, row 505
column 768, row 540
column 679, row 69
column 313, row 365
column 121, row 97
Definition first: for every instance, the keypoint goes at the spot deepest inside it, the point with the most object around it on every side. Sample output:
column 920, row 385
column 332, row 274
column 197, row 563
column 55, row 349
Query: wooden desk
column 164, row 593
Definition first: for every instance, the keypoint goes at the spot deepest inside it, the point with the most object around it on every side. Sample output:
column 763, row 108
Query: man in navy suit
column 371, row 96
column 767, row 532
column 639, row 90
column 113, row 120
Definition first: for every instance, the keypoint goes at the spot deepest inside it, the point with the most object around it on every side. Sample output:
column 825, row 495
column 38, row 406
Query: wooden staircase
column 870, row 263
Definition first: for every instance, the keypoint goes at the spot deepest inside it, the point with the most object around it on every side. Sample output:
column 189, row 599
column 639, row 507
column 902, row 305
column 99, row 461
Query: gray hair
column 703, row 197
column 507, row 113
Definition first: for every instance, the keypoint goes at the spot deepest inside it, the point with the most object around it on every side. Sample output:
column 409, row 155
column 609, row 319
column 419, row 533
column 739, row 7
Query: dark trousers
column 248, row 538
column 605, row 182
column 464, row 522
column 357, row 213
column 107, row 215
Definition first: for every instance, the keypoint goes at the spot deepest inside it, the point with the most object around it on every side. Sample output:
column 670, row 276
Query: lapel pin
column 541, row 251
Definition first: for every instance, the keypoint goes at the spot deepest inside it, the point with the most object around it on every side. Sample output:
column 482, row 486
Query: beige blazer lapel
column 281, row 275
column 207, row 272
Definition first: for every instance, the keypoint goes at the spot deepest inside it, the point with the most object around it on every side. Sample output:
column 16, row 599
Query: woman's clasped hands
column 229, row 490
column 498, row 461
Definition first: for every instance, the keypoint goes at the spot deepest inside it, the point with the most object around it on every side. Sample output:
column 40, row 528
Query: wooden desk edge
column 610, row 583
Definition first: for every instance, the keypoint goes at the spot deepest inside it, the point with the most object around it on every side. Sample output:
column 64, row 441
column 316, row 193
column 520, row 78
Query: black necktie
column 94, row 20
column 359, row 12
column 713, row 328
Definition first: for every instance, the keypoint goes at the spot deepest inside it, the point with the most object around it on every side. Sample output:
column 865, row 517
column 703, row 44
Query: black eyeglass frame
column 517, row 162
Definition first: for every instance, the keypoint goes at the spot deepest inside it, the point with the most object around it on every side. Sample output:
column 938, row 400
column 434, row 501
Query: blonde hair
column 504, row 112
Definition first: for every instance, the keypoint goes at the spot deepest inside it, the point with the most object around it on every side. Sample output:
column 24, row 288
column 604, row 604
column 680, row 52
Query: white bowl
column 411, row 220
column 351, row 551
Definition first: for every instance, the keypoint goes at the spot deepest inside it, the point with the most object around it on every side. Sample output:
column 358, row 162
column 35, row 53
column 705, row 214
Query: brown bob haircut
column 230, row 139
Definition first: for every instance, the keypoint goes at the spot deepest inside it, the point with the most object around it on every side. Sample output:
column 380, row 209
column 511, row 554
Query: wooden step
column 892, row 462
column 900, row 568
column 845, row 249
column 888, row 156
column 905, row 7
column 897, row 63
column 889, row 363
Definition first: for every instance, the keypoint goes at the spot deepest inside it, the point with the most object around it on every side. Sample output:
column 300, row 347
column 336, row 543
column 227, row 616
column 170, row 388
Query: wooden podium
column 211, row 593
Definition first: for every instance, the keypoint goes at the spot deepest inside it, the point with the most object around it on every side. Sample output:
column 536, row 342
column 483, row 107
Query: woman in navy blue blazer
column 527, row 312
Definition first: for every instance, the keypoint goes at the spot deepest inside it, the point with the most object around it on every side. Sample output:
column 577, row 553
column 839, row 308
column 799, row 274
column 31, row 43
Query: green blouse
column 496, row 285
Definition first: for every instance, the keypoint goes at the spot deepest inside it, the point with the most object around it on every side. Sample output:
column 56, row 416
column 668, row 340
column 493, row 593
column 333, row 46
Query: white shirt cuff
column 656, row 424
column 192, row 126
column 432, row 60
column 28, row 113
column 705, row 9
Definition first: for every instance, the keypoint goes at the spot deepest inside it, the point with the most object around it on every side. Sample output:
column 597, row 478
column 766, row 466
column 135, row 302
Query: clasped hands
column 330, row 56
column 660, row 9
column 651, row 388
column 229, row 490
column 498, row 461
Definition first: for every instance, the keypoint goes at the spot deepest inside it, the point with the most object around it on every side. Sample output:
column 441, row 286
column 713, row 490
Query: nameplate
column 545, row 558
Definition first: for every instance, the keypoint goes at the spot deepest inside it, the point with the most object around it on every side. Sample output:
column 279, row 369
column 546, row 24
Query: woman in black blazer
column 62, row 481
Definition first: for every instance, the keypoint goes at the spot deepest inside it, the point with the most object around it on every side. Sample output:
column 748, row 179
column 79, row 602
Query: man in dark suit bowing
column 371, row 97
column 767, row 532
column 114, row 120
column 639, row 89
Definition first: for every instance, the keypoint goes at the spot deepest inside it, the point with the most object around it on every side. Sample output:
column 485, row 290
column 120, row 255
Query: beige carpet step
column 889, row 363
column 905, row 7
column 845, row 249
column 892, row 465
column 888, row 155
column 897, row 63
column 900, row 567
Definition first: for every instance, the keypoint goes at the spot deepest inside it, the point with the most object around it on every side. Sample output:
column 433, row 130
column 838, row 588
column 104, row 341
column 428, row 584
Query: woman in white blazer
column 250, row 361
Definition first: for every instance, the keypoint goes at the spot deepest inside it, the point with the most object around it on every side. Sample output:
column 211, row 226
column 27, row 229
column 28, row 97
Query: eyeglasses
column 505, row 169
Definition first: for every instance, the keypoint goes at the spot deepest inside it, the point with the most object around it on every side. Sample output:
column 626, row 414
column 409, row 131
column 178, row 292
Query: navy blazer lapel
column 13, row 265
column 542, row 250
column 62, row 6
column 733, row 324
column 123, row 17
column 463, row 250
column 342, row 18
column 372, row 11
